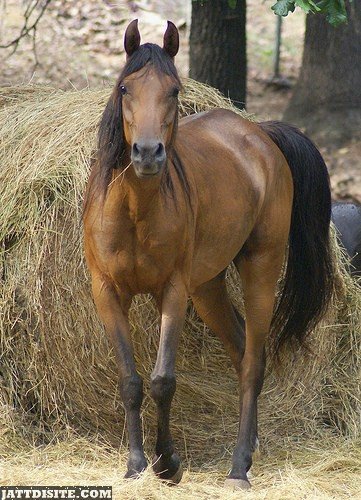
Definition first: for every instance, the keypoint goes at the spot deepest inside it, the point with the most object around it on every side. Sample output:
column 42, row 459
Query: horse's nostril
column 160, row 150
column 136, row 149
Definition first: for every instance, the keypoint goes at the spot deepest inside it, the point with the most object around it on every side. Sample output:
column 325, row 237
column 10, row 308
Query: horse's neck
column 142, row 196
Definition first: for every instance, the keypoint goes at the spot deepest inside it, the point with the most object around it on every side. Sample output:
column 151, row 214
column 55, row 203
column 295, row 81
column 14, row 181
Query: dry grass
column 298, row 470
column 303, row 468
column 57, row 371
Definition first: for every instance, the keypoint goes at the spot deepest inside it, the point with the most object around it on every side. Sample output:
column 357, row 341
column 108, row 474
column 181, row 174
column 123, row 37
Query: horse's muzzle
column 148, row 158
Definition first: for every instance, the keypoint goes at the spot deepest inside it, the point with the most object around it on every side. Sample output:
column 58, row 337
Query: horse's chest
column 142, row 261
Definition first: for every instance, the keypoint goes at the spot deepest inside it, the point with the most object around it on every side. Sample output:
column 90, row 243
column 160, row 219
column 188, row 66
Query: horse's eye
column 175, row 92
column 123, row 89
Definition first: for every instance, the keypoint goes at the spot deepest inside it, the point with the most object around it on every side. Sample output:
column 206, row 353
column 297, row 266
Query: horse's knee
column 131, row 390
column 162, row 388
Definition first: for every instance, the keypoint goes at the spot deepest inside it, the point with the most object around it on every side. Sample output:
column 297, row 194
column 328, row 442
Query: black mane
column 111, row 142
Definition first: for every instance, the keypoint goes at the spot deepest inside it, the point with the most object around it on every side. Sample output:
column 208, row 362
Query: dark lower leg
column 131, row 389
column 252, row 381
column 166, row 463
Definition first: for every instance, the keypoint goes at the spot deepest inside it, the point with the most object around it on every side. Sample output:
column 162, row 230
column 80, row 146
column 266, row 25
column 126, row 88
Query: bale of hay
column 57, row 369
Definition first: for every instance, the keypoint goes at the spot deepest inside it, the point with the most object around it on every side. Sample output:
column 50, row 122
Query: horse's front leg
column 166, row 463
column 113, row 309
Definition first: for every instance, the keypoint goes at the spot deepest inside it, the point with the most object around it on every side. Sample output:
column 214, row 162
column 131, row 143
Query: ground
column 79, row 43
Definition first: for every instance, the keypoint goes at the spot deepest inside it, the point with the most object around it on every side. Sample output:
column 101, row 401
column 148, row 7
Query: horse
column 347, row 219
column 169, row 205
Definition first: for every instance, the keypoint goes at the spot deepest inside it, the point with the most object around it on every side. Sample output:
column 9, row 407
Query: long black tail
column 309, row 277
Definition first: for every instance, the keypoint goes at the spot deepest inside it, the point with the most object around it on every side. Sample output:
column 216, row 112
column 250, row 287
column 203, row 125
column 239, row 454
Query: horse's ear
column 171, row 39
column 132, row 38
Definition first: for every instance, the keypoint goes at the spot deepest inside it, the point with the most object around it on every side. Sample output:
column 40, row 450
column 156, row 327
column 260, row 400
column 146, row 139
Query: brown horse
column 169, row 206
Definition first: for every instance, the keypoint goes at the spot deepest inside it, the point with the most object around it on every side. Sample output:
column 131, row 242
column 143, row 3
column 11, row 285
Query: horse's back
column 218, row 120
column 224, row 140
column 229, row 156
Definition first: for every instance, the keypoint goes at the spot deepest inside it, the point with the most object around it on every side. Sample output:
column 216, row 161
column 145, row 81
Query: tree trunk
column 218, row 47
column 327, row 97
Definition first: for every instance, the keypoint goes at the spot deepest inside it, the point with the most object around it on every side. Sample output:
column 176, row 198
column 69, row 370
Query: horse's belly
column 207, row 265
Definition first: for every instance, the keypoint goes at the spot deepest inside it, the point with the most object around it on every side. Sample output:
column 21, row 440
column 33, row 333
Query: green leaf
column 232, row 3
column 283, row 7
column 307, row 6
column 336, row 17
column 335, row 11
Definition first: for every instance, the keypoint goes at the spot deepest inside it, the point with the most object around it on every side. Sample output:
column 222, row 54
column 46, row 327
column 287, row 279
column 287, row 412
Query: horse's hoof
column 135, row 468
column 176, row 478
column 237, row 484
column 133, row 474
column 170, row 470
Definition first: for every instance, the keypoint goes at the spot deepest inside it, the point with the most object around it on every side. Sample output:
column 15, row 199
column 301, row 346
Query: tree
column 327, row 97
column 218, row 47
column 34, row 11
column 218, row 39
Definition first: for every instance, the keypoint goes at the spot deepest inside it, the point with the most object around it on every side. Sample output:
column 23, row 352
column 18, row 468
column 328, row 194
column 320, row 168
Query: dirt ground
column 79, row 43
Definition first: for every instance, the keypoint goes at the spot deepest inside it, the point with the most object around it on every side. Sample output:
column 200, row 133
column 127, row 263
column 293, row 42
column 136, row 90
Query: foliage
column 335, row 10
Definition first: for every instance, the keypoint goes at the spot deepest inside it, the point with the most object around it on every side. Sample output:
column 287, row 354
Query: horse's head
column 149, row 87
column 140, row 119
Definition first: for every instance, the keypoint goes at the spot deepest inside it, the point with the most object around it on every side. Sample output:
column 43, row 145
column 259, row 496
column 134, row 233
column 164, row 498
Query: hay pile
column 56, row 369
column 300, row 471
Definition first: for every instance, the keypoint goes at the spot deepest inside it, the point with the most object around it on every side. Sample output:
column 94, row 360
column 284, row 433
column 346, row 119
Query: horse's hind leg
column 113, row 311
column 259, row 270
column 215, row 308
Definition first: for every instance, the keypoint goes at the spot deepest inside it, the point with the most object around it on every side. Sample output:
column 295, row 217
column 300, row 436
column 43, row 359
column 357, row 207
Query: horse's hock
column 56, row 365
